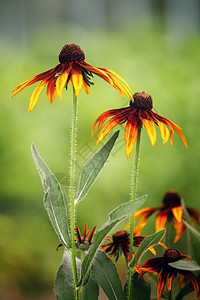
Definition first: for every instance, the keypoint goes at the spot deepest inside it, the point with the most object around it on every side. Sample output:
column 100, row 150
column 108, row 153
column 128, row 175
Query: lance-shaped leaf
column 53, row 200
column 192, row 230
column 64, row 285
column 187, row 265
column 90, row 291
column 117, row 215
column 92, row 168
column 149, row 241
column 140, row 288
column 104, row 272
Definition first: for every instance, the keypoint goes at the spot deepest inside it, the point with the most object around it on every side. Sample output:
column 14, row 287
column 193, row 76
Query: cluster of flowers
column 73, row 70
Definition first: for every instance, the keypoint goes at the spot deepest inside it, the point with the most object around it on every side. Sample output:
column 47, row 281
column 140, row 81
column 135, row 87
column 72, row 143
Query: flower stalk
column 72, row 190
column 133, row 195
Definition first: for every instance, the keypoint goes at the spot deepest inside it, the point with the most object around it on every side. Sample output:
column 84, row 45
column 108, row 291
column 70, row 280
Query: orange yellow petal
column 178, row 213
column 36, row 93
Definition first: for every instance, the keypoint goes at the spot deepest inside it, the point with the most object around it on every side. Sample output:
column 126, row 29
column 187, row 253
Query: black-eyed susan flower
column 160, row 265
column 137, row 114
column 171, row 209
column 120, row 241
column 74, row 70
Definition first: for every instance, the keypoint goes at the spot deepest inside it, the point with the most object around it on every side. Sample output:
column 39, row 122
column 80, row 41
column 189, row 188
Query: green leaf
column 93, row 166
column 90, row 290
column 188, row 288
column 53, row 200
column 187, row 265
column 140, row 288
column 104, row 272
column 64, row 286
column 149, row 241
column 117, row 215
column 192, row 230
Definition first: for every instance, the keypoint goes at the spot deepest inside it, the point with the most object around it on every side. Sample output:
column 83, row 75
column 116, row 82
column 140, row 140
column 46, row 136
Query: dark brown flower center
column 121, row 237
column 172, row 255
column 142, row 101
column 71, row 52
column 172, row 198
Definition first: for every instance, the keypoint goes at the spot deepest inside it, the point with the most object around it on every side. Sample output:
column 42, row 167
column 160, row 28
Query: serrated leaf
column 53, row 200
column 140, row 288
column 104, row 272
column 117, row 215
column 64, row 286
column 188, row 288
column 192, row 229
column 149, row 241
column 187, row 265
column 93, row 167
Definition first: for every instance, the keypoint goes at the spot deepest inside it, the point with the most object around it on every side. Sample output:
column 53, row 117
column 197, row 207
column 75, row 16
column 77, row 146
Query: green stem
column 72, row 191
column 82, row 289
column 133, row 194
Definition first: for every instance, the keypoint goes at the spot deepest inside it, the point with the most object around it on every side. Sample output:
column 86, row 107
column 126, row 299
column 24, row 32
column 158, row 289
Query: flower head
column 74, row 70
column 137, row 114
column 160, row 265
column 83, row 242
column 171, row 209
column 120, row 244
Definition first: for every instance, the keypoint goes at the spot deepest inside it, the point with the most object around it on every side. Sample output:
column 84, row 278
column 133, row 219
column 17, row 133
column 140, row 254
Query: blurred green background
column 154, row 50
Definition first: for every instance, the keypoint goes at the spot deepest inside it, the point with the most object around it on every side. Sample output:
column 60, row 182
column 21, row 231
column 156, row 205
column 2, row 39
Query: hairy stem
column 72, row 191
column 133, row 194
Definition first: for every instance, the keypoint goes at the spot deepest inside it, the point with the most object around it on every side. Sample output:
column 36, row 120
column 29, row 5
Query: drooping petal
column 51, row 90
column 179, row 228
column 122, row 89
column 36, row 93
column 131, row 131
column 86, row 87
column 110, row 77
column 109, row 126
column 189, row 275
column 161, row 284
column 76, row 78
column 177, row 129
column 153, row 264
column 104, row 116
column 149, row 126
column 126, row 252
column 34, row 79
column 117, row 119
column 144, row 214
column 61, row 80
column 96, row 71
column 161, row 220
column 169, row 281
column 163, row 131
column 173, row 128
column 178, row 213
column 116, row 75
